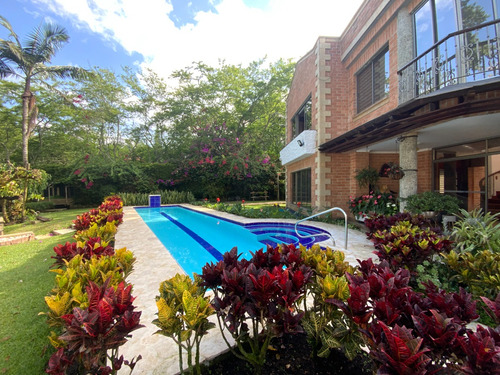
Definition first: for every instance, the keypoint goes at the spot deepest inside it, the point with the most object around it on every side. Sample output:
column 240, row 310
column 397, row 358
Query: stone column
column 408, row 162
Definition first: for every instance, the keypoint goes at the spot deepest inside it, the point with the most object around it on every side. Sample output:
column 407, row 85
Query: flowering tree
column 219, row 163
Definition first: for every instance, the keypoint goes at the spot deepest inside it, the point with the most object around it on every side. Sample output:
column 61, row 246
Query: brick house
column 413, row 82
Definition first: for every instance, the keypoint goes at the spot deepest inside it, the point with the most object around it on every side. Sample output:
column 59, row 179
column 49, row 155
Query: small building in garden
column 414, row 84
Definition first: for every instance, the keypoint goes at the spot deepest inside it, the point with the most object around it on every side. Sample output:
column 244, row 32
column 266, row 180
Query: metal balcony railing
column 463, row 56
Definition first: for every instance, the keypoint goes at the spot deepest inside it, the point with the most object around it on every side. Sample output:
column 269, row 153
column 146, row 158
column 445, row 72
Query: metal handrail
column 319, row 214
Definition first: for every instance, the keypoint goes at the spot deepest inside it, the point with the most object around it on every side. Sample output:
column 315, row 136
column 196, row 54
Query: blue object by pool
column 195, row 238
column 154, row 200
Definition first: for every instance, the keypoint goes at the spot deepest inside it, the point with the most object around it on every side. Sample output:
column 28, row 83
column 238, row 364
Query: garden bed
column 291, row 354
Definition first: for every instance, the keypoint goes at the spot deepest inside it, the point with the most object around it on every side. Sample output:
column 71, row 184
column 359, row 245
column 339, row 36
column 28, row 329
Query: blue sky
column 166, row 35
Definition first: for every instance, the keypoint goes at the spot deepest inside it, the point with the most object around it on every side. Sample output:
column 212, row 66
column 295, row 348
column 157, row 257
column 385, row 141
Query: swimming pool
column 194, row 238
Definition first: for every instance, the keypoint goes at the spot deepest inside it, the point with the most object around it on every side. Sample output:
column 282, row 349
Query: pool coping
column 160, row 353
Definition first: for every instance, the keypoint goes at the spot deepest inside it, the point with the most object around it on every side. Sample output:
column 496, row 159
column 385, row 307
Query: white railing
column 322, row 213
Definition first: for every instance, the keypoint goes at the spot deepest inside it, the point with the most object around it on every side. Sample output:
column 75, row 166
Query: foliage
column 406, row 246
column 93, row 335
column 381, row 302
column 476, row 231
column 393, row 170
column 105, row 232
column 13, row 182
column 434, row 271
column 367, row 177
column 257, row 299
column 183, row 312
column 167, row 197
column 383, row 222
column 40, row 206
column 72, row 280
column 479, row 272
column 432, row 201
column 92, row 247
column 29, row 63
column 493, row 308
column 110, row 211
column 325, row 324
column 376, row 203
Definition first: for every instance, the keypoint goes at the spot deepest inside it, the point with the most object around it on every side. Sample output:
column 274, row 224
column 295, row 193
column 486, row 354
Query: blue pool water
column 195, row 238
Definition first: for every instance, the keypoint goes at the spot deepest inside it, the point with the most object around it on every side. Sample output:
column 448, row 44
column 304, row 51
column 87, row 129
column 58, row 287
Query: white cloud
column 236, row 33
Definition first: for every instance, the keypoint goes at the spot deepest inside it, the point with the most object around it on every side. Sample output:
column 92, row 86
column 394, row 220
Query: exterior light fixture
column 300, row 142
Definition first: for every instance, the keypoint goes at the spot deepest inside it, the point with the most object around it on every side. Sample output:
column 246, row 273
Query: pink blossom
column 84, row 179
column 379, row 197
column 375, row 202
column 77, row 172
column 224, row 162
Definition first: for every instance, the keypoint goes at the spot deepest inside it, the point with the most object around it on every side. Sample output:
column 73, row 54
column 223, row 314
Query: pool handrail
column 322, row 213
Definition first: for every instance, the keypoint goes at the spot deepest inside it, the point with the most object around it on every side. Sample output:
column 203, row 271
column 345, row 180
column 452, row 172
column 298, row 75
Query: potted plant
column 392, row 170
column 431, row 203
column 375, row 203
column 367, row 177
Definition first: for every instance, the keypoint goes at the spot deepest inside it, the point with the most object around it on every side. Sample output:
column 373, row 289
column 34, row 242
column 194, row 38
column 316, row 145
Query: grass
column 60, row 220
column 24, row 281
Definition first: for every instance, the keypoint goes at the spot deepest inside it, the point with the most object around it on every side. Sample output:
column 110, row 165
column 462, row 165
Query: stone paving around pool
column 155, row 264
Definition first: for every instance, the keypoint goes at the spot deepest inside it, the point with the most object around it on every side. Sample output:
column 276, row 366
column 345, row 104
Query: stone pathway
column 155, row 264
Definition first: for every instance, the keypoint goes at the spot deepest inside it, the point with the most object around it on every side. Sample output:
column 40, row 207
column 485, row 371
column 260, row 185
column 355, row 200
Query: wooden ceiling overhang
column 405, row 118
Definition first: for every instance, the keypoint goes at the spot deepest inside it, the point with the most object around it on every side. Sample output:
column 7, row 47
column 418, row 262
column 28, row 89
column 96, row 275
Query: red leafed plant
column 92, row 247
column 437, row 320
column 405, row 245
column 482, row 350
column 93, row 335
column 256, row 300
column 400, row 352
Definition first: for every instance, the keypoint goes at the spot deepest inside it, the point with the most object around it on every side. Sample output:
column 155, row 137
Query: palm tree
column 29, row 63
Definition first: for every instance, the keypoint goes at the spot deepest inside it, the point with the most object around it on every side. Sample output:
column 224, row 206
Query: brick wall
column 303, row 85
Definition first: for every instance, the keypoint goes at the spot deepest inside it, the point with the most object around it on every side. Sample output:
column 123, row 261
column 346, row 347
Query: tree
column 29, row 63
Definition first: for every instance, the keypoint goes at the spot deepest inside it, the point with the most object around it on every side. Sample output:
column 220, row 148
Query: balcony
column 301, row 147
column 462, row 57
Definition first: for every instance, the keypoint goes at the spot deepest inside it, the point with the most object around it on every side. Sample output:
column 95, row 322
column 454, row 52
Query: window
column 373, row 81
column 302, row 119
column 464, row 58
column 301, row 186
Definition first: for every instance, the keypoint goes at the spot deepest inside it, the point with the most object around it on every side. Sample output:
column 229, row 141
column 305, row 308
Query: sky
column 167, row 35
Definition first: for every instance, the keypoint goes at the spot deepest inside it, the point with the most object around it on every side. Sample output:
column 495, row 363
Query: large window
column 301, row 186
column 302, row 119
column 463, row 58
column 373, row 81
column 471, row 172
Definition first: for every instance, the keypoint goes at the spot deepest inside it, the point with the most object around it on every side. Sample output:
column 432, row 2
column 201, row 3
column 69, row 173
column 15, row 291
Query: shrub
column 92, row 247
column 183, row 313
column 432, row 201
column 479, row 272
column 383, row 222
column 105, row 232
column 257, row 300
column 167, row 197
column 402, row 327
column 406, row 245
column 93, row 335
column 375, row 203
column 476, row 231
column 40, row 206
column 71, row 281
column 326, row 326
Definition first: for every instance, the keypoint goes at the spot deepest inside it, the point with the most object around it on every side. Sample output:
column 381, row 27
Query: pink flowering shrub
column 374, row 203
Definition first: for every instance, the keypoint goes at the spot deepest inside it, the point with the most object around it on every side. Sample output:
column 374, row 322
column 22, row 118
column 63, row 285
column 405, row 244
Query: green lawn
column 60, row 220
column 24, row 281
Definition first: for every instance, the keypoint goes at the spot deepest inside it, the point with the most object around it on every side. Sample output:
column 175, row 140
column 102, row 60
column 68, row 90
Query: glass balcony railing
column 464, row 56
